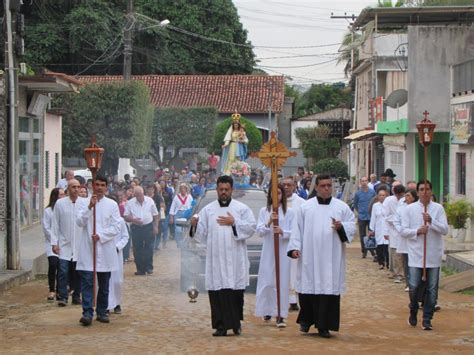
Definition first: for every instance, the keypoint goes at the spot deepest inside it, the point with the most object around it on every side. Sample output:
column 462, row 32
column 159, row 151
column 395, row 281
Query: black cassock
column 227, row 308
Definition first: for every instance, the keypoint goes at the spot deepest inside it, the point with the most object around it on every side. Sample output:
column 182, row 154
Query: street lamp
column 93, row 155
column 425, row 136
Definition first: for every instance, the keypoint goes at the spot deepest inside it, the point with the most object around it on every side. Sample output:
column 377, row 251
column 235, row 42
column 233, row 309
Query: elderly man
column 143, row 215
column 223, row 226
column 362, row 199
column 322, row 228
column 63, row 183
column 65, row 236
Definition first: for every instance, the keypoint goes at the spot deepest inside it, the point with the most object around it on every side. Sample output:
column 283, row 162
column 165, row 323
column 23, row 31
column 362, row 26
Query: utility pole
column 127, row 42
column 13, row 227
column 270, row 96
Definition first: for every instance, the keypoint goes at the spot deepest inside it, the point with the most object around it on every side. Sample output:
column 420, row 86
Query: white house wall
column 295, row 143
column 52, row 145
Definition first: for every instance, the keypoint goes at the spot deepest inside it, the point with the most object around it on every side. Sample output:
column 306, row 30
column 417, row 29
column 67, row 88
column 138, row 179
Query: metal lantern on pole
column 425, row 136
column 93, row 155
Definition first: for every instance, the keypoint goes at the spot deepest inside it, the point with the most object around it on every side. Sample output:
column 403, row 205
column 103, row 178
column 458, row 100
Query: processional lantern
column 93, row 155
column 425, row 130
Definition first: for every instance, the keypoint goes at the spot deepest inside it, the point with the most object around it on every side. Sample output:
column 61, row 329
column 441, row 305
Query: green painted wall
column 393, row 127
column 436, row 163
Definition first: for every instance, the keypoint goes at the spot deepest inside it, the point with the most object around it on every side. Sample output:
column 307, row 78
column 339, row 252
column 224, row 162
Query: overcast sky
column 299, row 23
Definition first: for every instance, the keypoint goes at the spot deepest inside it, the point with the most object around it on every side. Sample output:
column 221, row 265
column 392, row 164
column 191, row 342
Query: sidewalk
column 33, row 259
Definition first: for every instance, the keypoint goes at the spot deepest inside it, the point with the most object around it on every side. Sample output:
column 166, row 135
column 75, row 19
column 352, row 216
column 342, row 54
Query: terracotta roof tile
column 229, row 93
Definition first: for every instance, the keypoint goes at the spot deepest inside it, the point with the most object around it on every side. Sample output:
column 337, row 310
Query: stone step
column 458, row 282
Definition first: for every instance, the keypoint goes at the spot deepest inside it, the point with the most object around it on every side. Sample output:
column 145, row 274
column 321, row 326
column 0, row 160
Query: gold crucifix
column 274, row 154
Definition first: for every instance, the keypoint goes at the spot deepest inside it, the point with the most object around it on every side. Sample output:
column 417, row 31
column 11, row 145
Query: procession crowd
column 311, row 225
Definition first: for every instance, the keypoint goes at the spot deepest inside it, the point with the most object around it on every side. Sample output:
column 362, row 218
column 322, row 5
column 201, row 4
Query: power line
column 297, row 66
column 287, row 24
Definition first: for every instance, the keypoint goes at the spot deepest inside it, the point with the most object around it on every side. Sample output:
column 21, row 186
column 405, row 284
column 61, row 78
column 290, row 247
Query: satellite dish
column 397, row 98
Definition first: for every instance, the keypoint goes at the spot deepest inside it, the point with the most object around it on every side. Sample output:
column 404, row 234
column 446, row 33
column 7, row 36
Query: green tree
column 120, row 116
column 87, row 36
column 316, row 143
column 321, row 97
column 335, row 167
column 253, row 134
column 183, row 127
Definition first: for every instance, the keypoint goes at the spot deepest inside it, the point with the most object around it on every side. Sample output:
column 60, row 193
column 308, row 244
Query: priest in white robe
column 223, row 226
column 116, row 277
column 293, row 201
column 266, row 298
column 323, row 225
column 108, row 225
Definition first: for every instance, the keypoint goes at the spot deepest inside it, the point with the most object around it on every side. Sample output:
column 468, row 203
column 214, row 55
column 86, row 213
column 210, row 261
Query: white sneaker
column 281, row 323
column 407, row 289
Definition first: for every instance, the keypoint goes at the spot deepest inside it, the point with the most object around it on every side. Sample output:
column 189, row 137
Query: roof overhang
column 50, row 83
column 399, row 17
column 361, row 135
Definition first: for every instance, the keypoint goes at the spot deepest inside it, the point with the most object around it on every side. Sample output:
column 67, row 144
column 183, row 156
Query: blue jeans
column 163, row 233
column 87, row 288
column 431, row 289
column 64, row 280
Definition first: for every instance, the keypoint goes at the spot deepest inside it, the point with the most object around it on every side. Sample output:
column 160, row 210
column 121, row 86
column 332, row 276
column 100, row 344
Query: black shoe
column 62, row 303
column 267, row 318
column 139, row 273
column 412, row 320
column 149, row 272
column 237, row 331
column 304, row 328
column 85, row 321
column 280, row 323
column 103, row 319
column 118, row 310
column 364, row 256
column 375, row 259
column 324, row 333
column 294, row 307
column 76, row 301
column 426, row 325
column 220, row 333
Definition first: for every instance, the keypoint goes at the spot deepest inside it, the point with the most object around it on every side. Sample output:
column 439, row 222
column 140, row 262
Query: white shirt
column 178, row 205
column 402, row 246
column 295, row 201
column 47, row 223
column 378, row 224
column 62, row 184
column 227, row 262
column 391, row 204
column 145, row 211
column 322, row 264
column 412, row 219
column 65, row 232
column 108, row 225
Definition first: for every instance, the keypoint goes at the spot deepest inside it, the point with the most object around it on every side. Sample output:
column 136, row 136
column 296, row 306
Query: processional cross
column 273, row 155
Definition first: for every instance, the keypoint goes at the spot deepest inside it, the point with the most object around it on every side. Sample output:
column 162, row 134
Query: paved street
column 158, row 318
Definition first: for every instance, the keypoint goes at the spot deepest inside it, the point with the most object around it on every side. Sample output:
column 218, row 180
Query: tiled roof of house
column 229, row 93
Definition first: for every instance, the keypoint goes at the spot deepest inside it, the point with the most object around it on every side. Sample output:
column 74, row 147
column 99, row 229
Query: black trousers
column 363, row 231
column 227, row 308
column 322, row 311
column 382, row 254
column 143, row 242
column 53, row 267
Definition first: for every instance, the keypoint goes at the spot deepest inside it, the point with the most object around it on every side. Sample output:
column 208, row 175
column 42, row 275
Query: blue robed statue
column 235, row 145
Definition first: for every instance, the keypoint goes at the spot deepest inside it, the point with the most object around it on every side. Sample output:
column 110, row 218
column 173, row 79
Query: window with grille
column 461, row 173
column 46, row 169
column 396, row 158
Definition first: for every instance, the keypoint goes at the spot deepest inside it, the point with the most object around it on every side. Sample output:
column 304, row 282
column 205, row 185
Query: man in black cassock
column 322, row 227
column 223, row 226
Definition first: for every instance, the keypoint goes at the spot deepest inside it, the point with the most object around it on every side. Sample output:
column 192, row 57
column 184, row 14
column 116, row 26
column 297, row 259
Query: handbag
column 370, row 242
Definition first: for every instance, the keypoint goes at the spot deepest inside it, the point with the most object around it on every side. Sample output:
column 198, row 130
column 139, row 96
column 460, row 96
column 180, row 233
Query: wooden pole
column 276, row 236
column 425, row 172
column 94, row 243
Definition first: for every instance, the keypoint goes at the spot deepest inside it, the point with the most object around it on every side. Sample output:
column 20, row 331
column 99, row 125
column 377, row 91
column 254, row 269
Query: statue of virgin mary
column 235, row 145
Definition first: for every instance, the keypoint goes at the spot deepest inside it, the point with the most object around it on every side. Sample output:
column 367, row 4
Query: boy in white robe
column 266, row 297
column 223, row 226
column 116, row 277
column 293, row 201
column 322, row 227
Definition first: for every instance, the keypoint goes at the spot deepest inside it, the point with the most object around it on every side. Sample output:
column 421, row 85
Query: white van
column 85, row 173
